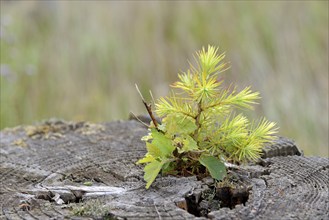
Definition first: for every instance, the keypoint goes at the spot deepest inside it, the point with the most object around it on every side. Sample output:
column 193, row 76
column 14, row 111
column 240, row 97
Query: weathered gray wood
column 46, row 172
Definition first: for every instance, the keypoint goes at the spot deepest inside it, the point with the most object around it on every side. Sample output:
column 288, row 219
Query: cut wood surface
column 66, row 170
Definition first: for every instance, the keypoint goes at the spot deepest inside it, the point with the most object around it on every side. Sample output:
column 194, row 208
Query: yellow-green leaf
column 146, row 159
column 88, row 183
column 151, row 171
column 189, row 144
column 153, row 150
column 163, row 143
column 179, row 124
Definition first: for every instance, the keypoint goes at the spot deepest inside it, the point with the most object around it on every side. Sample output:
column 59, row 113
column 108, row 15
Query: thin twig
column 148, row 108
column 138, row 119
column 152, row 97
column 156, row 209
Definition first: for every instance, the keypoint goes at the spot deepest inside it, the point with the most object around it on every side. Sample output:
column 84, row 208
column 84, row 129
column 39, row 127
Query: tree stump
column 66, row 170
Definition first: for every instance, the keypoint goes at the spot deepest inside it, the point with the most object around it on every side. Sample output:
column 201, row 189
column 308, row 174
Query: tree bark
column 66, row 170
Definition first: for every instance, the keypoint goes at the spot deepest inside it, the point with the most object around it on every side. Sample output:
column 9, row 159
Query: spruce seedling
column 200, row 130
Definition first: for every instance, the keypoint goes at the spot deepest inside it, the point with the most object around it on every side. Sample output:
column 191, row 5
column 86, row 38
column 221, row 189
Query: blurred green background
column 80, row 60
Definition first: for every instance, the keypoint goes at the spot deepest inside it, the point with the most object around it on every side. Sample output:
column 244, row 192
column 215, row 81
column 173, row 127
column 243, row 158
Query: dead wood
column 59, row 170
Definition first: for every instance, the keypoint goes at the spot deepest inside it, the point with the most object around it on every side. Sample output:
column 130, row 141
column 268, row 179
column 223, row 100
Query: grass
column 80, row 60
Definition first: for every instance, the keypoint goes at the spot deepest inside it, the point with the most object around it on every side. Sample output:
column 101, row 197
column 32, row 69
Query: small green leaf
column 146, row 159
column 151, row 171
column 189, row 144
column 88, row 183
column 215, row 167
column 179, row 124
column 162, row 127
column 147, row 137
column 185, row 143
column 163, row 143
